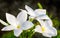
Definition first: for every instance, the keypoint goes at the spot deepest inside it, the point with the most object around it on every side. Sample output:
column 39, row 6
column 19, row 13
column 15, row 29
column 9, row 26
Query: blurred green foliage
column 8, row 35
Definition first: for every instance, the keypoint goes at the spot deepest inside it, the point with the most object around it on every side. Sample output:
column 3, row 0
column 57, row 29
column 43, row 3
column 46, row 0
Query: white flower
column 38, row 14
column 17, row 24
column 45, row 29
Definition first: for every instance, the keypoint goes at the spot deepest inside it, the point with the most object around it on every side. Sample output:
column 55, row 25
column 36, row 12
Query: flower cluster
column 20, row 23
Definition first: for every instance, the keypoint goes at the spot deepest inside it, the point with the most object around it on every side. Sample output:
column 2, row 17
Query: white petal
column 43, row 17
column 8, row 28
column 48, row 22
column 11, row 19
column 38, row 29
column 46, row 35
column 27, row 25
column 23, row 10
column 22, row 17
column 30, row 10
column 40, row 12
column 17, row 32
column 4, row 23
column 50, row 32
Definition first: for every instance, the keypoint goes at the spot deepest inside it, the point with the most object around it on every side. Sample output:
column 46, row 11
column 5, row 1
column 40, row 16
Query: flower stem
column 39, row 5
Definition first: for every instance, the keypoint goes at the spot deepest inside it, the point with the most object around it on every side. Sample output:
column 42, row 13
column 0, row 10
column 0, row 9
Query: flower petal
column 46, row 35
column 46, row 21
column 38, row 29
column 43, row 17
column 30, row 10
column 4, row 23
column 17, row 32
column 27, row 25
column 52, row 32
column 8, row 28
column 40, row 12
column 11, row 19
column 22, row 17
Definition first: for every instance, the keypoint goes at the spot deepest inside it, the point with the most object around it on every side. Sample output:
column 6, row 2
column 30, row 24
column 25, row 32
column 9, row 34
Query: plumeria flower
column 44, row 20
column 38, row 14
column 17, row 24
column 45, row 29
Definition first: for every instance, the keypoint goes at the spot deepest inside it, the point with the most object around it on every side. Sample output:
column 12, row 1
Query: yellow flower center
column 18, row 26
column 43, row 28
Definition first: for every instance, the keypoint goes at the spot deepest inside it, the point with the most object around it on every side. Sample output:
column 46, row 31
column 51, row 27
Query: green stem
column 31, row 19
column 39, row 5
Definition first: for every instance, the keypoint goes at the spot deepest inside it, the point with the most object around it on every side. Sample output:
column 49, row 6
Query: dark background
column 12, row 6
